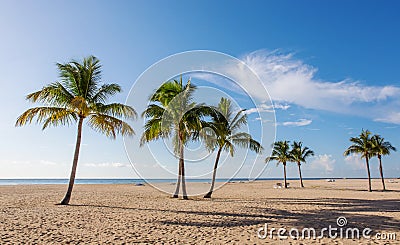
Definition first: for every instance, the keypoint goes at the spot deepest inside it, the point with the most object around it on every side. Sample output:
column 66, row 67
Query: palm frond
column 280, row 152
column 361, row 145
column 48, row 115
column 110, row 126
column 105, row 91
column 116, row 110
column 62, row 117
column 153, row 130
column 239, row 120
column 380, row 146
column 54, row 94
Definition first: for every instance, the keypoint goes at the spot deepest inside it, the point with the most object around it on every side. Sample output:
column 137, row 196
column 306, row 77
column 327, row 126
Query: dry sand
column 115, row 214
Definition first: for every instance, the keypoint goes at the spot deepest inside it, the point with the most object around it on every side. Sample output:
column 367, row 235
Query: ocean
column 121, row 181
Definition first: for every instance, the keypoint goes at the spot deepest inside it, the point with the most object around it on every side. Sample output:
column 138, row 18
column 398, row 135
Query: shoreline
column 102, row 181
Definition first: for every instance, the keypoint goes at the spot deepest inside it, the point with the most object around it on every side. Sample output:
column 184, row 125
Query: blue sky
column 331, row 68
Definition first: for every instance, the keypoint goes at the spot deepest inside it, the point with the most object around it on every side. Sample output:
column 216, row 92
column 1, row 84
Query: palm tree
column 281, row 154
column 76, row 97
column 299, row 155
column 224, row 135
column 380, row 147
column 173, row 113
column 362, row 145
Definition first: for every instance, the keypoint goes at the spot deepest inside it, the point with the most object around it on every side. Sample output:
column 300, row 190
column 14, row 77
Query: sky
column 330, row 69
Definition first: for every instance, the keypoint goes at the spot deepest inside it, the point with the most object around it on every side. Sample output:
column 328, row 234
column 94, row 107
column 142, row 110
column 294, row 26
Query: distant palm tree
column 362, row 145
column 224, row 135
column 281, row 154
column 299, row 155
column 380, row 147
column 77, row 96
column 173, row 113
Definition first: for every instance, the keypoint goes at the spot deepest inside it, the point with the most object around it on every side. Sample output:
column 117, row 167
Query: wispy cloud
column 268, row 108
column 290, row 80
column 299, row 123
column 45, row 162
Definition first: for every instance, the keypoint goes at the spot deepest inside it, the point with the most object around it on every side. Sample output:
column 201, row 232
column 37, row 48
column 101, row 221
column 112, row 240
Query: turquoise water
column 118, row 181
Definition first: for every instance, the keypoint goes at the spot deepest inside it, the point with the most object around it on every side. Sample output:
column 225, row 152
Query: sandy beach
column 116, row 214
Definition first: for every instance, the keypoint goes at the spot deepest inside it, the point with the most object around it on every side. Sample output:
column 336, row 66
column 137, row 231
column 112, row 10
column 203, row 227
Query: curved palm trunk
column 67, row 197
column 301, row 178
column 369, row 174
column 208, row 195
column 284, row 173
column 381, row 172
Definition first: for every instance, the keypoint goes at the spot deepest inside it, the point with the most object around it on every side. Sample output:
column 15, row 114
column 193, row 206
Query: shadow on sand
column 359, row 214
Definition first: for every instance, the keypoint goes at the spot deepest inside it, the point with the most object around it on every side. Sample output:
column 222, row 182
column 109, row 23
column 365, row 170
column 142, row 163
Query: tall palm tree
column 380, row 147
column 362, row 145
column 281, row 154
column 173, row 113
column 299, row 155
column 79, row 95
column 224, row 135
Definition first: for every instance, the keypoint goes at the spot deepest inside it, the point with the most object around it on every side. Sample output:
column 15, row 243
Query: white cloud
column 268, row 108
column 299, row 123
column 106, row 164
column 281, row 106
column 355, row 161
column 325, row 162
column 291, row 80
column 391, row 117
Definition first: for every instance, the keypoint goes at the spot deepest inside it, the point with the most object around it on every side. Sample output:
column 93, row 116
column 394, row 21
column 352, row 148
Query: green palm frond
column 225, row 127
column 116, row 110
column 78, row 94
column 300, row 153
column 105, row 91
column 380, row 146
column 154, row 130
column 361, row 145
column 280, row 152
column 53, row 94
column 169, row 90
column 239, row 120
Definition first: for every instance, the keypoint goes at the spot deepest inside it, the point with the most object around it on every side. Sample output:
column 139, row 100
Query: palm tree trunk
column 182, row 163
column 208, row 195
column 184, row 193
column 301, row 178
column 178, row 184
column 381, row 172
column 369, row 174
column 67, row 197
column 284, row 173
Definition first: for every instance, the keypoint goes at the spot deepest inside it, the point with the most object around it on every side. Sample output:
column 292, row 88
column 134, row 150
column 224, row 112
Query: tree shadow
column 359, row 213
